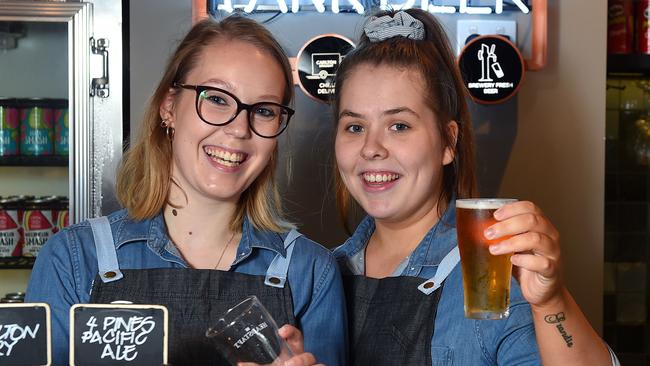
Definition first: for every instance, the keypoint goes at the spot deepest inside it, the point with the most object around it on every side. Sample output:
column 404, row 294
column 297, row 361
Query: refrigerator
column 61, row 75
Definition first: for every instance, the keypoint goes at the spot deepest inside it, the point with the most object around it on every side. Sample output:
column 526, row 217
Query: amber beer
column 486, row 277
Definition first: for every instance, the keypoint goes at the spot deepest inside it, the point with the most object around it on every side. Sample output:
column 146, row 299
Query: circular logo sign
column 317, row 63
column 492, row 68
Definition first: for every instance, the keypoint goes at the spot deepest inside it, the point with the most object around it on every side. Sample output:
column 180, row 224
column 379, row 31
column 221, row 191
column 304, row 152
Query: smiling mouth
column 379, row 178
column 224, row 157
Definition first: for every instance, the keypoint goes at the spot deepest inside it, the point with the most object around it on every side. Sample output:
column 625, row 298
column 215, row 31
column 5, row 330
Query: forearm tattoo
column 557, row 320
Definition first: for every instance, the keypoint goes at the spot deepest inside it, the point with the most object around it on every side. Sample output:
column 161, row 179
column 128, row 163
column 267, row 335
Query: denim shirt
column 456, row 339
column 67, row 265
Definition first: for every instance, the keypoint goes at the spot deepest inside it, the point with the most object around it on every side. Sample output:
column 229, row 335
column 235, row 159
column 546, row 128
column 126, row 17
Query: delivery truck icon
column 324, row 65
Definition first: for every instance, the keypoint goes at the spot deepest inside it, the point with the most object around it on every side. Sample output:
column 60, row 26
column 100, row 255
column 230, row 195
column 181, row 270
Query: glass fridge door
column 60, row 118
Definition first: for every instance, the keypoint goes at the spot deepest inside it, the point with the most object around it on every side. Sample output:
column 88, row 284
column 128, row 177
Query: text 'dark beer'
column 486, row 277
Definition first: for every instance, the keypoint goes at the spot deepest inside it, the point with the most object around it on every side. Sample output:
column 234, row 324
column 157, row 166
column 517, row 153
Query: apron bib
column 195, row 298
column 391, row 320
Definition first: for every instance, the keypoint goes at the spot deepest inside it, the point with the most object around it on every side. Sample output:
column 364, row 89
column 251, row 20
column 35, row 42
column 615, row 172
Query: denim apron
column 391, row 320
column 195, row 298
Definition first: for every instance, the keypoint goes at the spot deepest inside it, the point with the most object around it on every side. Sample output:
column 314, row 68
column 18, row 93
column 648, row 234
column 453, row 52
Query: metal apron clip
column 109, row 269
column 444, row 268
column 276, row 274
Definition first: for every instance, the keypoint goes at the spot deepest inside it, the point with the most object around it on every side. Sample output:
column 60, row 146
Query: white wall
column 558, row 156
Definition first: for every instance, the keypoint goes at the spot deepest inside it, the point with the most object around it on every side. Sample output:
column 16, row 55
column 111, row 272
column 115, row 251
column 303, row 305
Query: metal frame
column 92, row 140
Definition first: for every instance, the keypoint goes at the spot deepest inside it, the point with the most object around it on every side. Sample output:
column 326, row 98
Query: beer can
column 36, row 127
column 11, row 239
column 10, row 301
column 642, row 23
column 61, row 126
column 63, row 213
column 16, row 296
column 38, row 224
column 9, row 127
column 620, row 26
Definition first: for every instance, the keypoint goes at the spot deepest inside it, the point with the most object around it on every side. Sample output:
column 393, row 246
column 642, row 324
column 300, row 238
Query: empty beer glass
column 248, row 334
column 486, row 277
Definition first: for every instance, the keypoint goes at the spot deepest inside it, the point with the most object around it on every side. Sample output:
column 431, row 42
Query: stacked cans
column 27, row 222
column 33, row 127
column 14, row 297
column 628, row 27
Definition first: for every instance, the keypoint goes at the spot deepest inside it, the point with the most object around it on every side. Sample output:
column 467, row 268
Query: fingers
column 544, row 266
column 304, row 359
column 534, row 242
column 293, row 336
column 522, row 217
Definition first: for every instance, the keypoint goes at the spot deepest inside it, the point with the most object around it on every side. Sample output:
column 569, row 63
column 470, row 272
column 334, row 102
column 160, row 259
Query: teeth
column 225, row 157
column 380, row 178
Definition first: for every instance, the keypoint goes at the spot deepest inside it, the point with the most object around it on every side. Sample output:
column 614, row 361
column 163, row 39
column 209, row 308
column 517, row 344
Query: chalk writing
column 11, row 334
column 119, row 335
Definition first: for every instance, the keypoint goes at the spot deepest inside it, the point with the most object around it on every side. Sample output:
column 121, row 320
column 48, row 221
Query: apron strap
column 444, row 268
column 276, row 274
column 109, row 269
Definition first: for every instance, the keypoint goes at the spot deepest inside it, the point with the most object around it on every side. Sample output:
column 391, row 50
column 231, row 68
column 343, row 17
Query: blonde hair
column 145, row 175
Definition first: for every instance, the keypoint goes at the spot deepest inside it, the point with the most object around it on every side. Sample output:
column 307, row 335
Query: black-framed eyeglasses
column 218, row 107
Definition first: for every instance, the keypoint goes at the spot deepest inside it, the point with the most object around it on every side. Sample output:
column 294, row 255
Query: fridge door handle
column 99, row 86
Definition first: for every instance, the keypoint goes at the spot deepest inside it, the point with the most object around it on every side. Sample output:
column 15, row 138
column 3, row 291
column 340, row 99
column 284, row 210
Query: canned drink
column 36, row 127
column 15, row 296
column 620, row 26
column 9, row 127
column 11, row 239
column 63, row 214
column 642, row 23
column 38, row 224
column 10, row 301
column 61, row 126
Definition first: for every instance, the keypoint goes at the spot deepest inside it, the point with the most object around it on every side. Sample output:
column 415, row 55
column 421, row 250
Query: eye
column 399, row 127
column 214, row 98
column 265, row 112
column 217, row 100
column 354, row 128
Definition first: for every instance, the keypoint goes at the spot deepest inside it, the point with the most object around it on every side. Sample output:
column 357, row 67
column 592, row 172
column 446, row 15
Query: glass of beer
column 486, row 277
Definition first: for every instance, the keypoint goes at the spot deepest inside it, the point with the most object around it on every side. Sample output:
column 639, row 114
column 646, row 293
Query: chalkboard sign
column 111, row 334
column 25, row 334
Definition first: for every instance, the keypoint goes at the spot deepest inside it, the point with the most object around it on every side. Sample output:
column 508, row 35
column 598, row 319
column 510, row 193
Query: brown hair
column 434, row 59
column 144, row 177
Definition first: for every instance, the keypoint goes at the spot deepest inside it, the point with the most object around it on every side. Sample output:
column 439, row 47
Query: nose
column 239, row 127
column 373, row 147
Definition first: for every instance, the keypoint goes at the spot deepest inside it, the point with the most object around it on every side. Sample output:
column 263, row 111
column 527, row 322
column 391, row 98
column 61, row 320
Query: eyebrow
column 231, row 88
column 388, row 112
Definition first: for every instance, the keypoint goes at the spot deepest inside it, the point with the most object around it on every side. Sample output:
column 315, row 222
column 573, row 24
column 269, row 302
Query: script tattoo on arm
column 557, row 320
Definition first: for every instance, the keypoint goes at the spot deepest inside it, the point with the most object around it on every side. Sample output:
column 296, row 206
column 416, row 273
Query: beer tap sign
column 492, row 68
column 317, row 63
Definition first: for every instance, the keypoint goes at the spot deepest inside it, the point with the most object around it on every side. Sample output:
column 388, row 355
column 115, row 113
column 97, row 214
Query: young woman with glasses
column 202, row 226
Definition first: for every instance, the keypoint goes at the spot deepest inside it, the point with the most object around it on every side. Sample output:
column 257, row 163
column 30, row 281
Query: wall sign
column 492, row 68
column 451, row 7
column 317, row 63
column 25, row 334
column 118, row 334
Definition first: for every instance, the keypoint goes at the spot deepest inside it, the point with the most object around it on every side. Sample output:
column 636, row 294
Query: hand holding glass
column 486, row 277
column 248, row 333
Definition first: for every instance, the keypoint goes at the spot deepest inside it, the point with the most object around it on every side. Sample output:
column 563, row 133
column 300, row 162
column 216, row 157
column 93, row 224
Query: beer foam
column 483, row 203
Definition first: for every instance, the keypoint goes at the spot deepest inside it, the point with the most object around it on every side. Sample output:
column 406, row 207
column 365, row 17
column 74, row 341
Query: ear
column 166, row 109
column 450, row 151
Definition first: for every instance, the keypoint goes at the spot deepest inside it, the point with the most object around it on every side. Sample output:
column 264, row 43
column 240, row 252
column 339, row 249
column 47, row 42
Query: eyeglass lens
column 266, row 119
